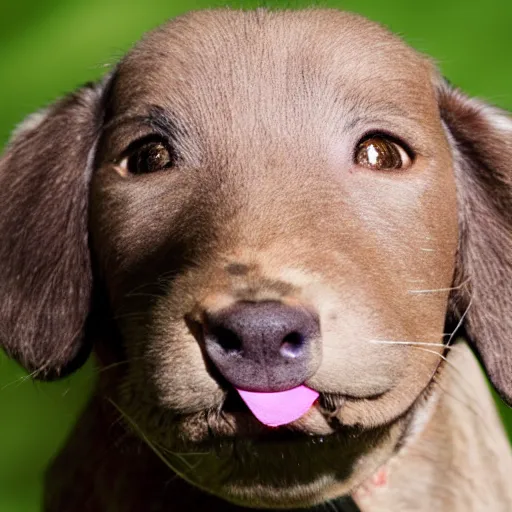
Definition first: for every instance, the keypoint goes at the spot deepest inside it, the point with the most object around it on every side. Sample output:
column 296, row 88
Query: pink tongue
column 280, row 408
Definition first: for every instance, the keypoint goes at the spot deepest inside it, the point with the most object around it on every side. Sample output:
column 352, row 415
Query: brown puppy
column 289, row 204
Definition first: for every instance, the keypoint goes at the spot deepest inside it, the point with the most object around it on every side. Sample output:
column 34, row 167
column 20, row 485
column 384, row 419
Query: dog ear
column 481, row 138
column 45, row 269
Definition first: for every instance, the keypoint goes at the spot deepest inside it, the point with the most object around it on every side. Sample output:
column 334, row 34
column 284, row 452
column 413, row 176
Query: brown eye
column 150, row 157
column 381, row 154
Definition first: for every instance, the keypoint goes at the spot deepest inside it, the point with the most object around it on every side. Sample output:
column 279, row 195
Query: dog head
column 287, row 209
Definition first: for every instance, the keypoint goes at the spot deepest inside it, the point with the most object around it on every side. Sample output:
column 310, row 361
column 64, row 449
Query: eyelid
column 407, row 160
column 139, row 143
column 384, row 134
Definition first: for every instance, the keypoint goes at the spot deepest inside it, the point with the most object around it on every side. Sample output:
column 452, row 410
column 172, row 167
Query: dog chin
column 302, row 464
column 284, row 497
column 267, row 474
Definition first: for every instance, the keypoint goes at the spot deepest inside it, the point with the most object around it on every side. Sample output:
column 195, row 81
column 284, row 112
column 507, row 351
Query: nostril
column 292, row 345
column 226, row 339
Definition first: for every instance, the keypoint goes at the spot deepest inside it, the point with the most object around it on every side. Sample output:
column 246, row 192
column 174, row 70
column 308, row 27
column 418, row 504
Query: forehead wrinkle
column 233, row 79
column 158, row 122
column 164, row 122
column 405, row 103
column 393, row 118
column 381, row 111
column 145, row 120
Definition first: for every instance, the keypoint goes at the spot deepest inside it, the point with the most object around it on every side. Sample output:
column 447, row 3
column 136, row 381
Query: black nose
column 264, row 346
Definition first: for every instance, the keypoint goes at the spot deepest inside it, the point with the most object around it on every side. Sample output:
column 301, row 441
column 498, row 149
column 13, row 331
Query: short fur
column 263, row 111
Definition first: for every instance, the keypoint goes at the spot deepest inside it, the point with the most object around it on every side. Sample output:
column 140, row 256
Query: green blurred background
column 48, row 48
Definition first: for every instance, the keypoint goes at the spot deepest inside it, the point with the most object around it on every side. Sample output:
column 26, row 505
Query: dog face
column 261, row 202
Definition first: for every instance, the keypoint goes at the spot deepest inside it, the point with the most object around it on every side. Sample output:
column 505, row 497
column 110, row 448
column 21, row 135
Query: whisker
column 152, row 445
column 100, row 369
column 21, row 380
column 444, row 358
column 434, row 290
column 160, row 282
column 413, row 343
column 475, row 407
column 470, row 404
column 18, row 381
column 171, row 452
column 142, row 294
column 135, row 314
column 460, row 322
column 466, row 387
column 140, row 288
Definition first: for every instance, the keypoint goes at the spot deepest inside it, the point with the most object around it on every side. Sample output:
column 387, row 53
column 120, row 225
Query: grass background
column 48, row 48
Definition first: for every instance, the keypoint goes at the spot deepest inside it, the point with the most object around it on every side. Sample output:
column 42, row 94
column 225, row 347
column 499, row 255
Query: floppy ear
column 481, row 137
column 45, row 270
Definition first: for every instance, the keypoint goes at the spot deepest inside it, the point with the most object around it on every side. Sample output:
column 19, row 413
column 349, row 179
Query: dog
column 271, row 228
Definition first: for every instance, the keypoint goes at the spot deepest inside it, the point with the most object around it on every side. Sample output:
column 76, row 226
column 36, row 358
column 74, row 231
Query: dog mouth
column 271, row 413
column 234, row 423
column 229, row 452
column 241, row 419
column 261, row 419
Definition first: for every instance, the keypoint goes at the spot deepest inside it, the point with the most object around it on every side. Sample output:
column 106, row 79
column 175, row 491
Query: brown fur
column 263, row 111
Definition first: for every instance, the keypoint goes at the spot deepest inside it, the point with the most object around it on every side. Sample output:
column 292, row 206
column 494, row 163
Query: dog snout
column 264, row 346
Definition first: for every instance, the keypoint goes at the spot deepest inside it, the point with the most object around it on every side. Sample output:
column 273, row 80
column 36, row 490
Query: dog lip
column 327, row 402
column 233, row 403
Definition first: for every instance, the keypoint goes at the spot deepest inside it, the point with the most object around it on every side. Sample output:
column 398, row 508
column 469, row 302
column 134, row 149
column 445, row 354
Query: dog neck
column 455, row 455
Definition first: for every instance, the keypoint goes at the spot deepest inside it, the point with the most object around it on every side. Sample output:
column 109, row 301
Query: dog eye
column 382, row 154
column 147, row 158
